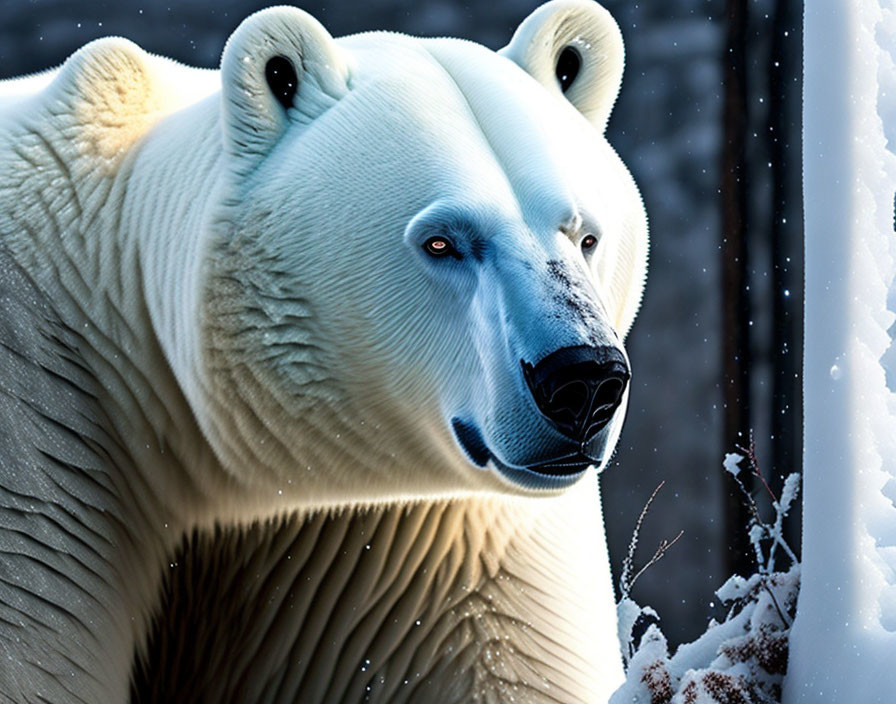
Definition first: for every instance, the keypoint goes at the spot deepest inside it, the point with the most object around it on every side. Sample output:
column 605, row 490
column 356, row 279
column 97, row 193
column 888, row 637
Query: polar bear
column 308, row 366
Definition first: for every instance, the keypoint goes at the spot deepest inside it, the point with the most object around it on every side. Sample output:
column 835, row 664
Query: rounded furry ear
column 573, row 48
column 277, row 59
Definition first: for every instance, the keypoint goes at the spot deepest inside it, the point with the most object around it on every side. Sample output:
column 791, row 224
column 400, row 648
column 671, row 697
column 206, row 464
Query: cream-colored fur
column 240, row 327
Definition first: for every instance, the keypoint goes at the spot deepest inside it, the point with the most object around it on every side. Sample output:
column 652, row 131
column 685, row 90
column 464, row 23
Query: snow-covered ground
column 844, row 638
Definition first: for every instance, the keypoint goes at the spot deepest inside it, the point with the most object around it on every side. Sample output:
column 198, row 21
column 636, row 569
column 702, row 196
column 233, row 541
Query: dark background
column 669, row 126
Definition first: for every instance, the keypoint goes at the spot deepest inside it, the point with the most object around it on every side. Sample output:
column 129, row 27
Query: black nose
column 578, row 388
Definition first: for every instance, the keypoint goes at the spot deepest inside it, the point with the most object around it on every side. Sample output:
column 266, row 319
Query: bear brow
column 464, row 227
column 462, row 224
column 478, row 247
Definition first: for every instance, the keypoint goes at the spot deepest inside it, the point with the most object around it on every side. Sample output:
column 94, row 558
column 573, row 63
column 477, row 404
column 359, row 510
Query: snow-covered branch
column 743, row 658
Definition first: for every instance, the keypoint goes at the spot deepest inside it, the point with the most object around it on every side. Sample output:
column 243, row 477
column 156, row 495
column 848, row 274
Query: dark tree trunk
column 785, row 130
column 735, row 284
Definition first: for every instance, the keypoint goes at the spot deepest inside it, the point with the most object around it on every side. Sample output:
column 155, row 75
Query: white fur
column 249, row 282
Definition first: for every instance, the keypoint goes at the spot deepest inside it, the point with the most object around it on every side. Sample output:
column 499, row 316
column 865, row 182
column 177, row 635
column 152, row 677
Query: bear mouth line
column 574, row 464
column 567, row 467
column 543, row 476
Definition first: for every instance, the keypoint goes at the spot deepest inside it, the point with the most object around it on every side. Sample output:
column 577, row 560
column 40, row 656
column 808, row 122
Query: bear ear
column 573, row 48
column 276, row 60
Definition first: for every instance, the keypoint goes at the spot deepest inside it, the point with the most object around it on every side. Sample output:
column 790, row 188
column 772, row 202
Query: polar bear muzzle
column 578, row 391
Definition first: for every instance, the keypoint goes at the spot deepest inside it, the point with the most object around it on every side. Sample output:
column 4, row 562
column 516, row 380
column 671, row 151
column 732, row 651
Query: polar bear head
column 424, row 260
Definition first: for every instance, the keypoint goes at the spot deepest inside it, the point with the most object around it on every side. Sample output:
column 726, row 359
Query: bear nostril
column 578, row 389
column 606, row 400
column 571, row 398
column 608, row 393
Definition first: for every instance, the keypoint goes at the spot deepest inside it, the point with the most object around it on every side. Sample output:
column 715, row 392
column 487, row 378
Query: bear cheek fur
column 321, row 321
column 306, row 377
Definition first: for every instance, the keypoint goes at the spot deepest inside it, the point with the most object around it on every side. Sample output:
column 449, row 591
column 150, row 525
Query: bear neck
column 476, row 599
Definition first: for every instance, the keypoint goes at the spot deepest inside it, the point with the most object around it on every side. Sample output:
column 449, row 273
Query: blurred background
column 708, row 122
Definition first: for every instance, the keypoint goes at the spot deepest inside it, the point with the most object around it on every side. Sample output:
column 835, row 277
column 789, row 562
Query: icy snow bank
column 844, row 638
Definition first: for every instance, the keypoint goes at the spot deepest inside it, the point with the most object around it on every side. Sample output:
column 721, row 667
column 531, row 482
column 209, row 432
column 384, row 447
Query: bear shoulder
column 101, row 100
column 66, row 134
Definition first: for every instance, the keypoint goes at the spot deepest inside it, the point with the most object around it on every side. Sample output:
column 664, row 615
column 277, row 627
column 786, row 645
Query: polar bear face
column 424, row 261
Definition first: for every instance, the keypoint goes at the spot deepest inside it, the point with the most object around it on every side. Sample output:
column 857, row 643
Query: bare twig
column 750, row 452
column 776, row 531
column 661, row 550
column 773, row 531
column 766, row 531
column 627, row 580
column 751, row 503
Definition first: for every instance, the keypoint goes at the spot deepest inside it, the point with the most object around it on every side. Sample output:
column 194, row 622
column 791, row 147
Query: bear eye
column 588, row 242
column 440, row 247
column 568, row 65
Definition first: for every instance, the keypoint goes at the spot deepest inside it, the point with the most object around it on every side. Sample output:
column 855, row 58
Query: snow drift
column 844, row 635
